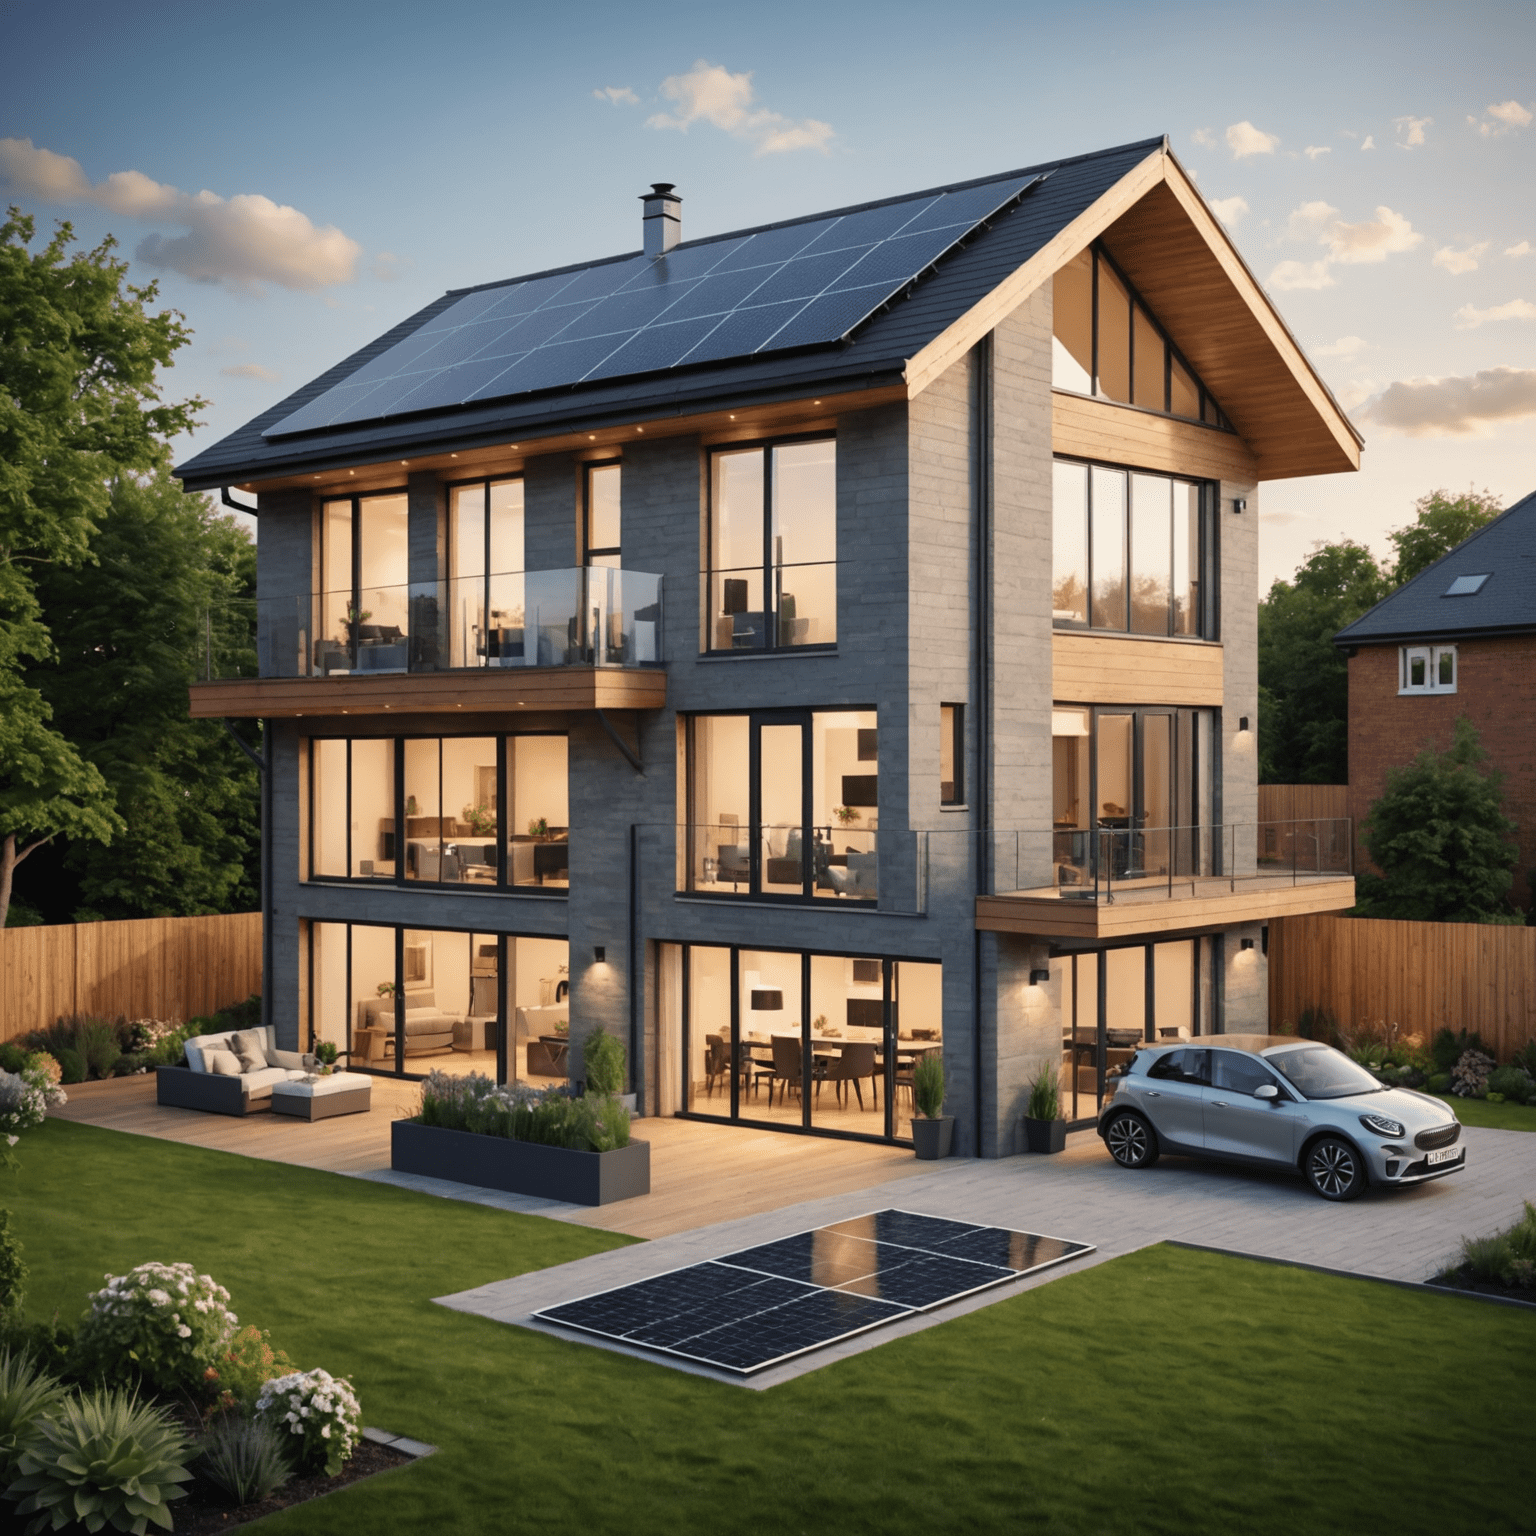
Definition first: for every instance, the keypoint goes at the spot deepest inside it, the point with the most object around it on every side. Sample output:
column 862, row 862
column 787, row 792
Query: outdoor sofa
column 206, row 1081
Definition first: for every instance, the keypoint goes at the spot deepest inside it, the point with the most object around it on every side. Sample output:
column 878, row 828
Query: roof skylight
column 1465, row 586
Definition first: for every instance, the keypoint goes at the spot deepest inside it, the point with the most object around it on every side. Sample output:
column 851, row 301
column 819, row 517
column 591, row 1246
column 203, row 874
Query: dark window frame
column 588, row 551
column 957, row 785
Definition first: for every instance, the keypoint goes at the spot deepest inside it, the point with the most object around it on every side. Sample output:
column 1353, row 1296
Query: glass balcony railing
column 585, row 616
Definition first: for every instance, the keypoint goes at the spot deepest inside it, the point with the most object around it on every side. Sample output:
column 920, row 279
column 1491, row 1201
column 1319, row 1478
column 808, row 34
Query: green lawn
column 1498, row 1117
column 1170, row 1391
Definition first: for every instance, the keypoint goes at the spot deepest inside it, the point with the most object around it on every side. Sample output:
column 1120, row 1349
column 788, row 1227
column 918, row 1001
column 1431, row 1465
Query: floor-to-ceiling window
column 362, row 596
column 486, row 596
column 797, row 1040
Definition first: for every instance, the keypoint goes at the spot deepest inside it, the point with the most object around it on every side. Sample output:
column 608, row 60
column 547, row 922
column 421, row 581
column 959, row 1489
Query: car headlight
column 1382, row 1126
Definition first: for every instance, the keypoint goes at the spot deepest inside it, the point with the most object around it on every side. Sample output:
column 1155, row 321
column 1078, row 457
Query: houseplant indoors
column 933, row 1132
column 1044, row 1129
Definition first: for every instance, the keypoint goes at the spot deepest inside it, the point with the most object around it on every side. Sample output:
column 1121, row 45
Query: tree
column 1441, row 840
column 1443, row 521
column 79, row 405
column 1303, row 676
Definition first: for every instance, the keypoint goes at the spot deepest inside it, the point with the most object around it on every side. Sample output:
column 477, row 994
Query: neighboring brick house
column 1459, row 639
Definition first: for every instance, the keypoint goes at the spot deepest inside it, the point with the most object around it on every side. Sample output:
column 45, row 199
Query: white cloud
column 1468, row 318
column 241, row 241
column 251, row 371
column 1301, row 274
column 709, row 93
column 1523, row 249
column 1345, row 346
column 1243, row 139
column 1454, row 407
column 617, row 95
column 1317, row 151
column 1369, row 241
column 1410, row 131
column 387, row 267
column 1229, row 209
column 1507, row 116
column 1459, row 261
column 1204, row 138
column 1369, row 142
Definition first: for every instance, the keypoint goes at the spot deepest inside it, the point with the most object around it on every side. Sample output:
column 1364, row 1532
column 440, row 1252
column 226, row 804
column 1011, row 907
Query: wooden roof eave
column 1160, row 231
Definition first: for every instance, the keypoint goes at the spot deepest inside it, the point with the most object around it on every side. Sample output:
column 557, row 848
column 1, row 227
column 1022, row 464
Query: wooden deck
column 700, row 1174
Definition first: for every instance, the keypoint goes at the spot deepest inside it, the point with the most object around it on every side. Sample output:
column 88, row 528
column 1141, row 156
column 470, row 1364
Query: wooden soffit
column 1116, row 669
column 511, row 690
column 1157, row 227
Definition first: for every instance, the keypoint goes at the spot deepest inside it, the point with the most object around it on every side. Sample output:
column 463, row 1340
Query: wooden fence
column 1303, row 802
column 155, row 967
column 1423, row 976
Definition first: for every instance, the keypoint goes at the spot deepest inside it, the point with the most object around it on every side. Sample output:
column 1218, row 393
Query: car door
column 1175, row 1096
column 1239, row 1125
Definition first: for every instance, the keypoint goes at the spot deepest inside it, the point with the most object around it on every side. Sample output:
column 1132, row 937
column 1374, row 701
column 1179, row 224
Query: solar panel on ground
column 764, row 1305
column 798, row 285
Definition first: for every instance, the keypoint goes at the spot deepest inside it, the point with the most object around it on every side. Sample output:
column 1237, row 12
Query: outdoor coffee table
column 342, row 1093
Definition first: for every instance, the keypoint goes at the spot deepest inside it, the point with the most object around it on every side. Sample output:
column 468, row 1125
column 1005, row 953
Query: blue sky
column 298, row 177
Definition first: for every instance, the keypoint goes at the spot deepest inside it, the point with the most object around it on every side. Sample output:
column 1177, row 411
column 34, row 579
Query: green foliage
column 1512, row 1083
column 603, row 1057
column 318, row 1410
column 1303, row 676
column 247, row 1458
column 1525, row 1057
column 1440, row 838
column 71, row 1064
column 27, row 1392
column 595, row 1123
column 1443, row 522
column 1044, row 1094
column 928, row 1085
column 16, row 1058
column 1448, row 1047
column 50, row 1344
column 104, row 1460
column 13, row 1272
column 1506, row 1258
column 250, row 1360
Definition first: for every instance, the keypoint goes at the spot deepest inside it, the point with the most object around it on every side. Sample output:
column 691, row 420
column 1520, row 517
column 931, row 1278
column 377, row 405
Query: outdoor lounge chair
column 195, row 1086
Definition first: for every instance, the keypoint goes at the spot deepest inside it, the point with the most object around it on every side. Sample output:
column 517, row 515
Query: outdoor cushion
column 222, row 1063
column 250, row 1046
column 258, row 1085
column 292, row 1061
column 200, row 1043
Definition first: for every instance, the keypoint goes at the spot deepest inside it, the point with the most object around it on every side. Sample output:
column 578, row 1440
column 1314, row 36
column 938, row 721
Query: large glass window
column 478, row 811
column 784, row 803
column 485, row 567
column 772, row 577
column 602, row 537
column 1106, row 342
column 1130, row 551
column 363, row 620
column 799, row 1040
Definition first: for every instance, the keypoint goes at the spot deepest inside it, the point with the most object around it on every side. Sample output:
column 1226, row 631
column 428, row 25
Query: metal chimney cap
column 661, row 189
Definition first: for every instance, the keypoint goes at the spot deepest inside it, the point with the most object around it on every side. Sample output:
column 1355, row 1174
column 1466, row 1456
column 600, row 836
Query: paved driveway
column 1405, row 1234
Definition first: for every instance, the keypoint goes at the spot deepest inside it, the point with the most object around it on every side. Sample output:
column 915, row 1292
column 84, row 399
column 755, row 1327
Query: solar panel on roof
column 797, row 285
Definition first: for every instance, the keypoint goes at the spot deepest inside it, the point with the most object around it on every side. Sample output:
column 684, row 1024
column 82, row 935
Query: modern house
column 1459, row 639
column 797, row 650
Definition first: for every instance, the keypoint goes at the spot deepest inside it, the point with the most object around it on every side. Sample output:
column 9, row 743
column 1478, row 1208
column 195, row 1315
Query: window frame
column 588, row 550
column 955, row 800
column 765, row 446
column 1433, row 653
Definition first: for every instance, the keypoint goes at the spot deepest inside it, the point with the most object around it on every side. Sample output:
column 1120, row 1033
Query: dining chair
column 717, row 1061
column 856, row 1062
column 786, row 1068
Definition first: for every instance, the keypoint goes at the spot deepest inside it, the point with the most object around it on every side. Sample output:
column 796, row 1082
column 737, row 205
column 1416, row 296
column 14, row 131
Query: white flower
column 184, row 1332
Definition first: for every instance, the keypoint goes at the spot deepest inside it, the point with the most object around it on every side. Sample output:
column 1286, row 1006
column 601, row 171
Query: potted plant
column 481, row 819
column 602, row 1060
column 325, row 1055
column 846, row 814
column 1044, row 1129
column 933, row 1132
column 539, row 827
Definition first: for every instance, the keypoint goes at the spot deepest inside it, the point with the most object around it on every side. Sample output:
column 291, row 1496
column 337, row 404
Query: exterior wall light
column 1039, row 978
column 1247, row 944
column 599, row 954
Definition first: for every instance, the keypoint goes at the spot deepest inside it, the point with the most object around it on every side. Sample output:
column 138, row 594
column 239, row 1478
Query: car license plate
column 1443, row 1155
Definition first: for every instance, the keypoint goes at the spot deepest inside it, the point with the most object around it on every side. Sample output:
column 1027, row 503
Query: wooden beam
column 1131, row 669
column 1120, row 434
column 502, row 689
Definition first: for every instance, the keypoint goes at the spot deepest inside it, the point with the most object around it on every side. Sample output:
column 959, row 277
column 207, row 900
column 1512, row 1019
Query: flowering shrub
column 245, row 1366
column 550, row 1116
column 1469, row 1080
column 165, row 1321
column 23, row 1103
column 141, row 1034
column 47, row 1074
column 320, row 1409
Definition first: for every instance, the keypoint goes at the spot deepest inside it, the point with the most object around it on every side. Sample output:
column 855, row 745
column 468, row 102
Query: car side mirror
column 1266, row 1091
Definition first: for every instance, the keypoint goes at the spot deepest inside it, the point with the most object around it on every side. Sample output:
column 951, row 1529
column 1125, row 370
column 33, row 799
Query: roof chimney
column 663, row 218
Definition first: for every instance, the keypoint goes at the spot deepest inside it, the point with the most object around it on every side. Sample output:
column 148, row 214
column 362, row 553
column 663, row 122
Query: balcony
column 1107, row 883
column 584, row 638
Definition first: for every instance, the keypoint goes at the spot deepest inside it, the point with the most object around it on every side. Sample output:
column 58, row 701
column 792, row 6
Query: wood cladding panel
column 509, row 689
column 1422, row 977
column 1117, row 434
column 1303, row 802
column 1113, row 669
column 156, row 967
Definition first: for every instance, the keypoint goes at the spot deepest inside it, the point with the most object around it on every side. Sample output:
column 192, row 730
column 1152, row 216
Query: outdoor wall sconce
column 1242, row 722
column 1247, row 944
column 1039, row 978
column 1240, row 504
column 599, row 954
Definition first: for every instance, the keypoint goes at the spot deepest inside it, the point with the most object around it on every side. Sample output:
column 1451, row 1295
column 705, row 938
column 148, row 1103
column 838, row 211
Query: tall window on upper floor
column 1107, row 343
column 485, row 570
column 602, row 530
column 363, row 620
column 772, row 542
column 1132, row 552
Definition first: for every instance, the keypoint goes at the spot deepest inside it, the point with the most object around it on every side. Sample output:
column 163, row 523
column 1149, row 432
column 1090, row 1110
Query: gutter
column 982, row 690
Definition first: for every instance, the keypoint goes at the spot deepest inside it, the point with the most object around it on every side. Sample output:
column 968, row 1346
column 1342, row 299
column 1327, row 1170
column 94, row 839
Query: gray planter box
column 521, row 1167
column 1045, row 1135
column 933, row 1139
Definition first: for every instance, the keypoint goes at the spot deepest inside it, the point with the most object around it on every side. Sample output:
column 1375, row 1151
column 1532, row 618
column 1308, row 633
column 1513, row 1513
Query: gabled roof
column 1504, row 551
column 1048, row 212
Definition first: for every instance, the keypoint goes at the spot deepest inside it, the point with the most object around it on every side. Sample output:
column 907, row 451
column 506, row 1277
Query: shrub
column 13, row 1058
column 50, row 1345
column 1526, row 1056
column 104, row 1459
column 603, row 1058
column 550, row 1116
column 1513, row 1083
column 71, row 1064
column 248, row 1459
column 27, row 1392
column 23, row 1104
column 13, row 1273
column 1044, row 1094
column 164, row 1321
column 99, row 1046
column 928, row 1085
column 1470, row 1078
column 243, row 1368
column 1448, row 1048
column 1506, row 1258
column 320, row 1410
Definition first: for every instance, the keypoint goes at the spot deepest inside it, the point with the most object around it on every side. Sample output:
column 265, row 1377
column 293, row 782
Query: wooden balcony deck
column 700, row 1173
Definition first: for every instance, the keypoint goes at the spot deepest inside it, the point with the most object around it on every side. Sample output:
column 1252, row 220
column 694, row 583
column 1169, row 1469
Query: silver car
column 1279, row 1102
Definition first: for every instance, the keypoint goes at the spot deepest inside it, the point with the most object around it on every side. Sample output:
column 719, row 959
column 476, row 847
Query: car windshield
column 1320, row 1072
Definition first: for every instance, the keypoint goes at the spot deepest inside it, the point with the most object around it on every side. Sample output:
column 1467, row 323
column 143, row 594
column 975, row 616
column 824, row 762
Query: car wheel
column 1131, row 1141
column 1334, row 1169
